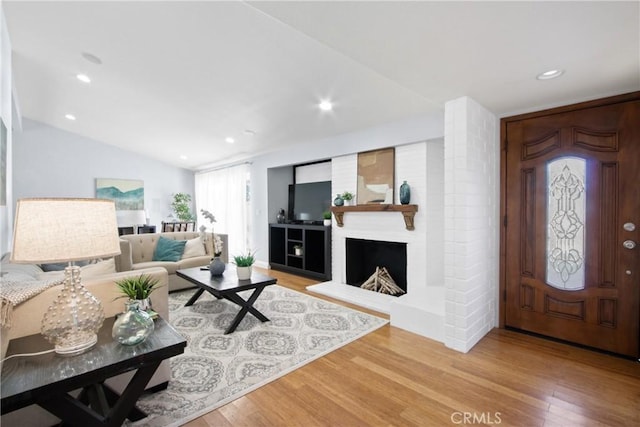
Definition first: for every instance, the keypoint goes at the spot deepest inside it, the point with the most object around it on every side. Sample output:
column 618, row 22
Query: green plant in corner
column 244, row 260
column 181, row 206
column 137, row 288
column 347, row 195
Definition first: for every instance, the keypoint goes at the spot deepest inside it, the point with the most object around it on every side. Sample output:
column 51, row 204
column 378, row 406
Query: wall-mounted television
column 308, row 201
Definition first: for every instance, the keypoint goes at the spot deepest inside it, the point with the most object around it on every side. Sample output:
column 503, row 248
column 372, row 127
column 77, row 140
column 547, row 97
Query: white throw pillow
column 100, row 268
column 194, row 248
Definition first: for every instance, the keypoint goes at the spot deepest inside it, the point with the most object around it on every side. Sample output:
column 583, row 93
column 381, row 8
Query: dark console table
column 46, row 380
column 315, row 243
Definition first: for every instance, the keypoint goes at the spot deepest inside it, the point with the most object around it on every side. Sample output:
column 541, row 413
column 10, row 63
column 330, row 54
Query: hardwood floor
column 392, row 377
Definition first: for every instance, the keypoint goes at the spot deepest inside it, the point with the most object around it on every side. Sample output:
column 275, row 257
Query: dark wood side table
column 227, row 286
column 46, row 380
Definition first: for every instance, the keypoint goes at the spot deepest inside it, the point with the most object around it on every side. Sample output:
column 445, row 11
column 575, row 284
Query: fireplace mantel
column 408, row 212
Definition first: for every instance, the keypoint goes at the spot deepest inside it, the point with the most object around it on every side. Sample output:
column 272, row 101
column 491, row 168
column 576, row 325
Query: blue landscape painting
column 128, row 194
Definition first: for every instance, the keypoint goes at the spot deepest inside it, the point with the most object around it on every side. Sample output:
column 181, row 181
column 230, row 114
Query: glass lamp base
column 73, row 319
column 74, row 347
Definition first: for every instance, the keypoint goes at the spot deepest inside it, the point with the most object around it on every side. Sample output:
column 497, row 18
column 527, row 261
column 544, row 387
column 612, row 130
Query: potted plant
column 243, row 263
column 326, row 215
column 347, row 197
column 139, row 289
column 181, row 206
column 297, row 250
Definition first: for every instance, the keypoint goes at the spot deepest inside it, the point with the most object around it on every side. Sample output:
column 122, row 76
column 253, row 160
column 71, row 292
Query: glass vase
column 133, row 326
column 338, row 201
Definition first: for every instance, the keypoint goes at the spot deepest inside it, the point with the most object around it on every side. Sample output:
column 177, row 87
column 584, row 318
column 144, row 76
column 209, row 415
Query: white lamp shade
column 62, row 230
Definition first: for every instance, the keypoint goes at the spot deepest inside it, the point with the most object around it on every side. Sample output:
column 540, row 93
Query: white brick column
column 472, row 174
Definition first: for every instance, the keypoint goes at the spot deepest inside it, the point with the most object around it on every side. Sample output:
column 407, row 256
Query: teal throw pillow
column 169, row 250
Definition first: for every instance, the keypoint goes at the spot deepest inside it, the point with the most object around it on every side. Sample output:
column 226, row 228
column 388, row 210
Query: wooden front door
column 571, row 208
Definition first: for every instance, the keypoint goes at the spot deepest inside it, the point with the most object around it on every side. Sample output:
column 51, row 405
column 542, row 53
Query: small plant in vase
column 139, row 289
column 136, row 323
column 243, row 263
column 347, row 197
column 326, row 216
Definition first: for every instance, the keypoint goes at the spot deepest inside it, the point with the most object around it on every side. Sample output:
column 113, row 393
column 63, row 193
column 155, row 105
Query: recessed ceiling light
column 325, row 106
column 551, row 74
column 83, row 78
column 91, row 58
column 183, row 157
column 70, row 116
column 230, row 140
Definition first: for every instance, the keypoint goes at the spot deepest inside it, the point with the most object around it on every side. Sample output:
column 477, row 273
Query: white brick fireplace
column 422, row 166
column 452, row 263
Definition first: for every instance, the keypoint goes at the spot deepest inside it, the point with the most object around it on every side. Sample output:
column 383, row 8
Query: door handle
column 629, row 244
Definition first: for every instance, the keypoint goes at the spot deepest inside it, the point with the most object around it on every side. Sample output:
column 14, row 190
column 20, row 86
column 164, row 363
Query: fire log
column 381, row 281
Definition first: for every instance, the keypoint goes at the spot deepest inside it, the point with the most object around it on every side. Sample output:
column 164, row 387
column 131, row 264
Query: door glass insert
column 566, row 208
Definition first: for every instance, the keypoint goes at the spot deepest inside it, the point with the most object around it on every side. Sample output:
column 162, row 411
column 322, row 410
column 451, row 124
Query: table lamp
column 50, row 230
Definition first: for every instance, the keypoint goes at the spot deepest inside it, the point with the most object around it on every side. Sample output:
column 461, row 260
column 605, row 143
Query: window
column 226, row 194
column 566, row 209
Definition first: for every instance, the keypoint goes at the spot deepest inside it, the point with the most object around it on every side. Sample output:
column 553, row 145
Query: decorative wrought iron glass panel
column 566, row 208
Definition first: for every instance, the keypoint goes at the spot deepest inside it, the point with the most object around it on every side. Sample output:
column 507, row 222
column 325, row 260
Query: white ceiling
column 179, row 77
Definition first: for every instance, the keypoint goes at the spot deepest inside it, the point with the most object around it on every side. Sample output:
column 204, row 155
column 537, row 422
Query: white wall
column 398, row 133
column 313, row 173
column 6, row 211
column 472, row 211
column 433, row 209
column 49, row 162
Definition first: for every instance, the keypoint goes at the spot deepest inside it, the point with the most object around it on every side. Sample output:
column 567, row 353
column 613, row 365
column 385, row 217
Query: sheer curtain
column 225, row 193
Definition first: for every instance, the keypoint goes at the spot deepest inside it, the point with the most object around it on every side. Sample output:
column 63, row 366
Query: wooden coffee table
column 227, row 286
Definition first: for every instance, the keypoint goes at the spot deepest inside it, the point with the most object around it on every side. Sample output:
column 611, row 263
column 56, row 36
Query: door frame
column 632, row 96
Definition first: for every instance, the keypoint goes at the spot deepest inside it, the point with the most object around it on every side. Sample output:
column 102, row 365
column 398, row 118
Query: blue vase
column 405, row 193
column 338, row 201
column 216, row 268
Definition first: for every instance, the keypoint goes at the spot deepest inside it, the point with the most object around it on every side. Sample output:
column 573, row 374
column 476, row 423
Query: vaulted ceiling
column 178, row 78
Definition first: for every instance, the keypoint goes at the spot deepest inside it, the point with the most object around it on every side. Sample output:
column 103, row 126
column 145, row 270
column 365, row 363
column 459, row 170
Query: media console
column 314, row 257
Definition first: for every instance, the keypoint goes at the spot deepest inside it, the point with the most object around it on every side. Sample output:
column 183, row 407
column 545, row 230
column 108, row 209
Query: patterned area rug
column 216, row 368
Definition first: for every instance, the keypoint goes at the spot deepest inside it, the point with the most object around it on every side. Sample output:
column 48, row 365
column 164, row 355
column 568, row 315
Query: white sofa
column 137, row 253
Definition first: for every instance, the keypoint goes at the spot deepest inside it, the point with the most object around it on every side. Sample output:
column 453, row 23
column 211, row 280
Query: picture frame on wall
column 376, row 177
column 128, row 194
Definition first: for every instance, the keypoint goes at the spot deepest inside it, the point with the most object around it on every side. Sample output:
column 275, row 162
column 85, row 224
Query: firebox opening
column 363, row 256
